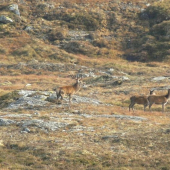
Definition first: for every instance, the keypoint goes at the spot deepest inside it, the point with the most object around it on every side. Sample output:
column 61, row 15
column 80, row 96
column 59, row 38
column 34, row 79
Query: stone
column 5, row 19
column 6, row 122
column 159, row 78
column 29, row 28
column 14, row 8
column 25, row 130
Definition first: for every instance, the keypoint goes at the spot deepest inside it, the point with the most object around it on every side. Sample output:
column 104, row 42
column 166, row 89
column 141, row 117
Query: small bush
column 26, row 52
column 6, row 99
column 156, row 14
column 57, row 34
column 88, row 21
column 81, row 48
column 94, row 35
column 101, row 43
column 161, row 29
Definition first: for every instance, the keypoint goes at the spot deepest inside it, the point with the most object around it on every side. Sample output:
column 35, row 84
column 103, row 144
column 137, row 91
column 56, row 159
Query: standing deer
column 159, row 100
column 143, row 100
column 69, row 90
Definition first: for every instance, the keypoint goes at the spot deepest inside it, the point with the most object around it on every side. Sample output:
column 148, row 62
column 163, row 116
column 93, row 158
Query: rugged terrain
column 120, row 48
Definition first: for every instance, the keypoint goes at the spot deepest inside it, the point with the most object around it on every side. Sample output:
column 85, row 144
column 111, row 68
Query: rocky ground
column 96, row 132
column 43, row 45
column 36, row 100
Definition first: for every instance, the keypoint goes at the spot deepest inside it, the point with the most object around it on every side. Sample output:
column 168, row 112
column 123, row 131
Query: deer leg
column 62, row 97
column 150, row 104
column 70, row 99
column 163, row 107
column 145, row 105
column 58, row 95
column 131, row 106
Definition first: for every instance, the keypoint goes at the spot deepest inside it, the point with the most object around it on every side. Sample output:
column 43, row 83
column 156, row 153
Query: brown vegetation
column 54, row 39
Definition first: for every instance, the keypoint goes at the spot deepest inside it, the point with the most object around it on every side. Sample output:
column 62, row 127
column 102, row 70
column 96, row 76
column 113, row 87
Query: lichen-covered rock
column 6, row 122
column 29, row 28
column 5, row 19
column 29, row 99
column 44, row 125
column 14, row 8
column 52, row 98
column 159, row 78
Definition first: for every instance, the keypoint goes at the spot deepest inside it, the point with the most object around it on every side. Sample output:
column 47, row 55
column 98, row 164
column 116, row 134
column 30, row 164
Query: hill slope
column 131, row 30
column 44, row 44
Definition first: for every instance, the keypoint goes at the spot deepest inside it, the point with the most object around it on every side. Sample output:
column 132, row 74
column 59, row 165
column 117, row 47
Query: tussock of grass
column 8, row 98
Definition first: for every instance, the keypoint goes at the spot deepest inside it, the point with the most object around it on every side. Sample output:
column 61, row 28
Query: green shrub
column 157, row 51
column 6, row 99
column 26, row 52
column 101, row 43
column 161, row 29
column 79, row 47
column 156, row 14
column 89, row 21
column 57, row 34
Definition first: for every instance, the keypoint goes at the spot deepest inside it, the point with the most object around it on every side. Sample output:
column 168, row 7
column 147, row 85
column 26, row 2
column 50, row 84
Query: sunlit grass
column 94, row 138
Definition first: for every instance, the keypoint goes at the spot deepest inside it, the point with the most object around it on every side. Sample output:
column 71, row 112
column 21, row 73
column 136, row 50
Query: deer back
column 159, row 99
column 139, row 99
column 72, row 88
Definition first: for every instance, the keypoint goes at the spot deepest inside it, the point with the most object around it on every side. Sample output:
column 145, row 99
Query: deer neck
column 168, row 95
column 76, row 86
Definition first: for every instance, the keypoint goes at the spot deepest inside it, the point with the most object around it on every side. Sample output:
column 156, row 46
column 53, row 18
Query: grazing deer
column 159, row 100
column 69, row 90
column 143, row 100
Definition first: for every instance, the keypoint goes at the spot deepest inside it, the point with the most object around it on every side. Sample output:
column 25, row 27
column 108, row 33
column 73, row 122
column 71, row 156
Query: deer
column 61, row 92
column 163, row 100
column 143, row 100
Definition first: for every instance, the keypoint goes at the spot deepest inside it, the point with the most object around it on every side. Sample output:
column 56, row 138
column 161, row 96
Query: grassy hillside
column 121, row 48
column 131, row 30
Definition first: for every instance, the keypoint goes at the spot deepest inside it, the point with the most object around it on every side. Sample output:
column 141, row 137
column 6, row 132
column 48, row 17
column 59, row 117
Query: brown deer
column 143, row 100
column 61, row 92
column 159, row 100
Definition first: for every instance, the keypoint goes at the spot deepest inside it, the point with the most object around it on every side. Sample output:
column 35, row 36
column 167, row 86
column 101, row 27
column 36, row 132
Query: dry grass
column 134, row 145
column 94, row 142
